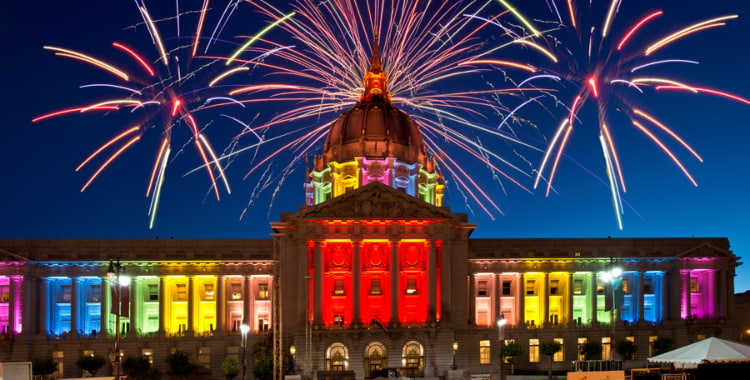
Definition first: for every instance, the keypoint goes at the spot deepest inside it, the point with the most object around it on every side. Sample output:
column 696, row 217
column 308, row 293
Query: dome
column 374, row 129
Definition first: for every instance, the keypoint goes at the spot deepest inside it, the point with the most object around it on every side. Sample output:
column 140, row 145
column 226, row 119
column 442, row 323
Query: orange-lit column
column 357, row 247
column 247, row 312
column 431, row 282
column 394, row 282
column 318, row 283
column 220, row 304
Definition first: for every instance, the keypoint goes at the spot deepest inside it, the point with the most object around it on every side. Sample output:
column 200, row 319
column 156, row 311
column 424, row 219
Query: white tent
column 710, row 349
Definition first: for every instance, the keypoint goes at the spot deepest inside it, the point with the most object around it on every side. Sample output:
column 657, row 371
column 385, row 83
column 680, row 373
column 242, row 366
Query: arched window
column 412, row 358
column 337, row 357
column 376, row 358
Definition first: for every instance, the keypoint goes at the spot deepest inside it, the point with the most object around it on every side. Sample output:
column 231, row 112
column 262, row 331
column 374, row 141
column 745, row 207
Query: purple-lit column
column 14, row 312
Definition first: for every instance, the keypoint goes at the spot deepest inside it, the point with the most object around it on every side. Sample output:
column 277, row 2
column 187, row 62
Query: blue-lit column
column 44, row 306
column 641, row 298
column 75, row 305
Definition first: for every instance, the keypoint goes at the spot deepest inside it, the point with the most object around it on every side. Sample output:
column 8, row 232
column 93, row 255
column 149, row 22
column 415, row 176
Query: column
column 220, row 304
column 431, row 282
column 44, row 306
column 394, row 282
column 521, row 297
column 497, row 297
column 685, row 296
column 162, row 305
column 318, row 284
column 594, row 307
column 569, row 301
column 641, row 298
column 545, row 300
column 472, row 298
column 357, row 247
column 136, row 301
column 31, row 300
column 75, row 305
column 248, row 311
column 14, row 304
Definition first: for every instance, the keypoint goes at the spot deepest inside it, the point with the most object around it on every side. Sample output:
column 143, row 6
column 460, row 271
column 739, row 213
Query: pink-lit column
column 14, row 312
column 685, row 296
column 394, row 282
column 248, row 309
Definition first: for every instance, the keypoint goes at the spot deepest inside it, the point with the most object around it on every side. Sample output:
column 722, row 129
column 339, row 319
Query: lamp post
column 113, row 273
column 455, row 348
column 609, row 276
column 501, row 337
column 293, row 351
column 244, row 328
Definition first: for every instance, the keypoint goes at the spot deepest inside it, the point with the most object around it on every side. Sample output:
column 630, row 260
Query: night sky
column 40, row 197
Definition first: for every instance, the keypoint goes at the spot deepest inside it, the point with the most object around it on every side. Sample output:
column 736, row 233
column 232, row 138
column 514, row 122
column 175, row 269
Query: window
column 338, row 319
column 148, row 353
column 606, row 348
column 578, row 287
column 263, row 291
column 338, row 287
column 581, row 344
column 506, row 287
column 625, row 286
column 236, row 290
column 4, row 293
column 651, row 341
column 411, row 286
column 533, row 350
column 530, row 287
column 558, row 356
column 95, row 294
column 553, row 287
column 631, row 339
column 375, row 287
column 66, row 292
column 180, row 292
column 648, row 286
column 694, row 285
column 153, row 292
column 484, row 352
column 482, row 288
column 208, row 292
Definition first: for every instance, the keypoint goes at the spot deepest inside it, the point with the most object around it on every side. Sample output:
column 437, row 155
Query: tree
column 179, row 364
column 231, row 368
column 262, row 352
column 43, row 366
column 91, row 363
column 510, row 352
column 550, row 348
column 662, row 344
column 592, row 351
column 139, row 368
column 626, row 349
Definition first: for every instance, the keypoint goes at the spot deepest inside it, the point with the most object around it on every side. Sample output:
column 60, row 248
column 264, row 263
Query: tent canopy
column 710, row 349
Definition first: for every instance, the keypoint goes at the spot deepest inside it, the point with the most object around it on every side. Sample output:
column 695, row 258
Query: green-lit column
column 137, row 301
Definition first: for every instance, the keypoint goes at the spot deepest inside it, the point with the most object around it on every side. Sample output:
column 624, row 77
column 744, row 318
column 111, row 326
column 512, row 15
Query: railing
column 595, row 365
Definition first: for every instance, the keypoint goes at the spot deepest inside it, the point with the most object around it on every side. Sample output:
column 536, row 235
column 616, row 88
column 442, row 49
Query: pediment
column 377, row 201
column 6, row 256
column 706, row 250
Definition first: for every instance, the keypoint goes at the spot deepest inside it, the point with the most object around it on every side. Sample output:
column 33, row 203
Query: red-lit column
column 394, row 282
column 318, row 284
column 431, row 282
column 357, row 247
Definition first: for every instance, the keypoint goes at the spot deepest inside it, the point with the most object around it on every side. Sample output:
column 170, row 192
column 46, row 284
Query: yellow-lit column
column 162, row 305
column 356, row 251
column 394, row 282
column 544, row 305
column 220, row 304
column 569, row 300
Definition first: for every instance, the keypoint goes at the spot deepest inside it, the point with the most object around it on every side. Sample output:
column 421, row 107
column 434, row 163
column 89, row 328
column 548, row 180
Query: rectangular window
column 694, row 286
column 553, row 287
column 338, row 287
column 482, row 288
column 558, row 356
column 263, row 291
column 66, row 293
column 651, row 341
column 411, row 286
column 153, row 292
column 648, row 287
column 180, row 292
column 578, row 287
column 375, row 287
column 4, row 293
column 95, row 294
column 236, row 290
column 208, row 292
column 148, row 353
column 581, row 344
column 606, row 348
column 533, row 350
column 530, row 287
column 484, row 352
column 631, row 339
column 506, row 287
column 625, row 286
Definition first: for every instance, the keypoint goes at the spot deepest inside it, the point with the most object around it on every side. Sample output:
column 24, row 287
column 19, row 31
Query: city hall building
column 372, row 272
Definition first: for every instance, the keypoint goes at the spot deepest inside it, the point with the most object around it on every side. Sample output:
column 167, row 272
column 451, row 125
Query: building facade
column 371, row 272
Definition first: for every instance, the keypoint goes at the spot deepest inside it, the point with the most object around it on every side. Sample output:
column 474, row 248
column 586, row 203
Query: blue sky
column 40, row 197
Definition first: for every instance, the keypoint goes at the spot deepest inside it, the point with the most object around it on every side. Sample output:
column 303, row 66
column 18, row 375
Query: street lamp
column 455, row 348
column 244, row 329
column 113, row 273
column 293, row 351
column 501, row 337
